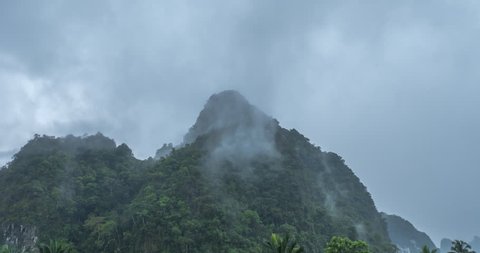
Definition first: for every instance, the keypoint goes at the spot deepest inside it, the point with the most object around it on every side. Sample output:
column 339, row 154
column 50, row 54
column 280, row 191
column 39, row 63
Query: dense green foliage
column 277, row 244
column 60, row 185
column 239, row 178
column 345, row 245
column 8, row 249
column 53, row 246
column 99, row 197
column 56, row 247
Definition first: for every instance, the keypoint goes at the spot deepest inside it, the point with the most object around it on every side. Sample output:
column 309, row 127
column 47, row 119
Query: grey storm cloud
column 392, row 86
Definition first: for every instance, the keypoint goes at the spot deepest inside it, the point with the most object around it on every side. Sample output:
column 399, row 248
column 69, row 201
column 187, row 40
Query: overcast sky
column 391, row 86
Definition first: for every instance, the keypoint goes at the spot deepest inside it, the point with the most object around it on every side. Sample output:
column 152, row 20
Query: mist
column 390, row 86
column 236, row 132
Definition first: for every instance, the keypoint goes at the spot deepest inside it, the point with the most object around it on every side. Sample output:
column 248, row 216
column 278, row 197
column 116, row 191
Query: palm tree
column 7, row 249
column 277, row 244
column 56, row 247
column 459, row 246
column 426, row 249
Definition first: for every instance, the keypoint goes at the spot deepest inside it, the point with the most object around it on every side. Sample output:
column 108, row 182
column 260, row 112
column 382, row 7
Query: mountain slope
column 255, row 173
column 238, row 177
column 54, row 185
column 403, row 234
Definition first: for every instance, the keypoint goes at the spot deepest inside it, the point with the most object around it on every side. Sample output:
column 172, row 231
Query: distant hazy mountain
column 475, row 243
column 403, row 234
column 446, row 243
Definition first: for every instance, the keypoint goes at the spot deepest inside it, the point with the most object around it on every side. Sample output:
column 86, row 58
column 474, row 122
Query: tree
column 426, row 249
column 344, row 245
column 8, row 249
column 277, row 244
column 459, row 246
column 56, row 247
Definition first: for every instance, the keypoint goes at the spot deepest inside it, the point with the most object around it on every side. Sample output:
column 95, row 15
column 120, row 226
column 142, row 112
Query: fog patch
column 330, row 204
column 6, row 156
column 331, row 195
column 361, row 231
column 235, row 133
column 243, row 146
column 333, row 189
column 67, row 184
column 164, row 151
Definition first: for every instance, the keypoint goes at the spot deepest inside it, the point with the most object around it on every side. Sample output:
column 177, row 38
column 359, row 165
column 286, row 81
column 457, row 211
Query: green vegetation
column 96, row 195
column 8, row 249
column 277, row 244
column 426, row 249
column 56, row 247
column 345, row 245
column 52, row 247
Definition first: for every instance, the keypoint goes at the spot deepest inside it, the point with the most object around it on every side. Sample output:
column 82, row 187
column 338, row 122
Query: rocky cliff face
column 21, row 237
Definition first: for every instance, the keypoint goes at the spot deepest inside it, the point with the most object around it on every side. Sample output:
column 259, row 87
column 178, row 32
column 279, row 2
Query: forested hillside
column 237, row 178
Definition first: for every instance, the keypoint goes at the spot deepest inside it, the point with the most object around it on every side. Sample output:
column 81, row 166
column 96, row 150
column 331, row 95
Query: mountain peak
column 224, row 110
column 228, row 96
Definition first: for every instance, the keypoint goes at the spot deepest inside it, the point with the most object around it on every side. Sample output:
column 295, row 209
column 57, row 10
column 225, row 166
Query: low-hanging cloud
column 392, row 86
column 236, row 132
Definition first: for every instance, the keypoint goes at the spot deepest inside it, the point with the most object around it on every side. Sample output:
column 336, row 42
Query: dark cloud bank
column 392, row 86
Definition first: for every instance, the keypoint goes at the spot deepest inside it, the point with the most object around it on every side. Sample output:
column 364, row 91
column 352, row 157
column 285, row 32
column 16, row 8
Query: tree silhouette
column 426, row 249
column 459, row 246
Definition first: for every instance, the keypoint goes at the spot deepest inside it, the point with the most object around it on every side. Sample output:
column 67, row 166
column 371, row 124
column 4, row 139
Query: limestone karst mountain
column 405, row 236
column 238, row 177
